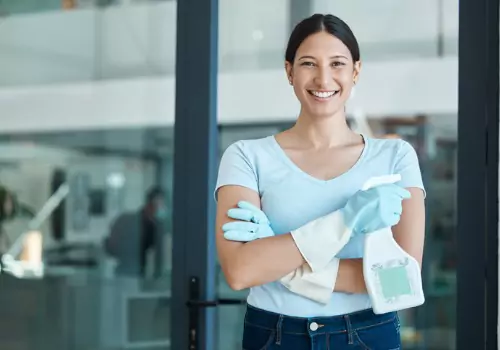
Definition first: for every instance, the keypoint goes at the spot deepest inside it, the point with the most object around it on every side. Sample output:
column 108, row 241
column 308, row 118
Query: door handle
column 214, row 303
column 194, row 305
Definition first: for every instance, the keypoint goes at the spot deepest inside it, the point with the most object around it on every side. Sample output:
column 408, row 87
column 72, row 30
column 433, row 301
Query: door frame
column 477, row 186
column 477, row 194
column 195, row 171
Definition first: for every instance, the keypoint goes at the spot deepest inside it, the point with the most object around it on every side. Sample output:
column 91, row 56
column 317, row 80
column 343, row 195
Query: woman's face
column 323, row 74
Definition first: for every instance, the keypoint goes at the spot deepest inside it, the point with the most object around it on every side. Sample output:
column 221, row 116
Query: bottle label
column 393, row 280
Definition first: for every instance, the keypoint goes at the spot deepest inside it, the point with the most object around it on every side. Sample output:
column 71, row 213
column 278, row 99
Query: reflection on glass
column 230, row 327
column 102, row 39
column 13, row 7
column 106, row 242
column 253, row 34
column 94, row 186
column 434, row 137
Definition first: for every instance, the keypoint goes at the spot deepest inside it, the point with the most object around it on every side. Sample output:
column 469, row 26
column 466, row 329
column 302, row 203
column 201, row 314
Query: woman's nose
column 323, row 77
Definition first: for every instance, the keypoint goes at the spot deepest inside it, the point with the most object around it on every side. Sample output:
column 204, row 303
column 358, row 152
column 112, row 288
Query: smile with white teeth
column 322, row 94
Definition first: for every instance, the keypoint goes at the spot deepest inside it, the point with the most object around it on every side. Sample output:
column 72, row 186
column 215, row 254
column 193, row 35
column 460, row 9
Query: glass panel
column 13, row 7
column 434, row 136
column 407, row 89
column 388, row 30
column 110, row 39
column 87, row 167
column 254, row 33
column 230, row 325
column 102, row 39
column 105, row 282
column 230, row 318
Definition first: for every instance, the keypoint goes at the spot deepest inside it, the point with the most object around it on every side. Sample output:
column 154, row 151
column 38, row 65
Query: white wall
column 57, row 55
column 410, row 27
column 386, row 88
column 139, row 39
column 50, row 62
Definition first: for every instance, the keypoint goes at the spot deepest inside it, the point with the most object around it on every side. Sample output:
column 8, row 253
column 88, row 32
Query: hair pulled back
column 322, row 23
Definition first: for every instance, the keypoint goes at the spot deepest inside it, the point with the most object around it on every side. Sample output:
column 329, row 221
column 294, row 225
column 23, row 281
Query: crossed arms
column 255, row 263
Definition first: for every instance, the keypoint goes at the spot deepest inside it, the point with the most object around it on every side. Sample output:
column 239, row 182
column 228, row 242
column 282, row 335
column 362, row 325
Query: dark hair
column 154, row 193
column 319, row 23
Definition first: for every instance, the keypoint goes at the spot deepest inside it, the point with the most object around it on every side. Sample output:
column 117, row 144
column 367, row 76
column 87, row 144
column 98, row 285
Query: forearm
column 262, row 261
column 350, row 278
column 340, row 275
column 270, row 259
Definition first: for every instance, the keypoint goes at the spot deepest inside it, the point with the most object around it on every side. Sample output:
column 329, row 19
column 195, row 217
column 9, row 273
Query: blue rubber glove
column 374, row 209
column 367, row 211
column 253, row 223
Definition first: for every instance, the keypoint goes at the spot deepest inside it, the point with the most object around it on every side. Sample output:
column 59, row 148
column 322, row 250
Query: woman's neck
column 323, row 132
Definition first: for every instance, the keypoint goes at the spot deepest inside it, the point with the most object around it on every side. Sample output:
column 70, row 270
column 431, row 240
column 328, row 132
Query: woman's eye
column 338, row 64
column 307, row 64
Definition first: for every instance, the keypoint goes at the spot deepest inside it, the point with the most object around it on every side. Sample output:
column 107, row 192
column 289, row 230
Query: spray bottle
column 392, row 276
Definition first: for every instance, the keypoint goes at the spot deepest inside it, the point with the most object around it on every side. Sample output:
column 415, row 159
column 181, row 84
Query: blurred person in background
column 134, row 235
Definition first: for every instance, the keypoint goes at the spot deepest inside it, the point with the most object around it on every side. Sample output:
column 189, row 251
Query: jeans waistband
column 317, row 325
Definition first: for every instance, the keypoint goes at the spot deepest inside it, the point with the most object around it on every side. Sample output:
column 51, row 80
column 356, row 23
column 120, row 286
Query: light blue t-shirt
column 291, row 198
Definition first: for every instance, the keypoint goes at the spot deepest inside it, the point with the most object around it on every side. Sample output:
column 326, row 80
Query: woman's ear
column 289, row 72
column 357, row 70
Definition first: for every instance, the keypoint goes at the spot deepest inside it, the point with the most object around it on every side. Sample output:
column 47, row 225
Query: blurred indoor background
column 87, row 95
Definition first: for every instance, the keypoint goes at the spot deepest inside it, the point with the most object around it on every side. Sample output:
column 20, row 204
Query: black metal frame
column 195, row 161
column 477, row 223
column 196, row 153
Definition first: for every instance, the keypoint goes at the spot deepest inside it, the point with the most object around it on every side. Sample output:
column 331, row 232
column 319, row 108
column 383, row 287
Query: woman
column 314, row 170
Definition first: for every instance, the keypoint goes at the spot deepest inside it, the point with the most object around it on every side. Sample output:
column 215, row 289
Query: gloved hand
column 321, row 239
column 367, row 211
column 315, row 286
column 374, row 209
column 253, row 223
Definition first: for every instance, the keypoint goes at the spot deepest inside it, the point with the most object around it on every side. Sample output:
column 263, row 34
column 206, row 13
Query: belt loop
column 348, row 326
column 278, row 330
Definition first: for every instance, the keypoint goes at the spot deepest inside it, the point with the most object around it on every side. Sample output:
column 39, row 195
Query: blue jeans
column 361, row 330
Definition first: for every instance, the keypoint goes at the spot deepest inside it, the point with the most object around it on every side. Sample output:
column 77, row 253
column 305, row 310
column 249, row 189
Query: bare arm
column 409, row 234
column 253, row 263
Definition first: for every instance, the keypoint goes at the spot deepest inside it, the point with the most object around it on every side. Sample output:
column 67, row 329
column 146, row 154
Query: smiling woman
column 298, row 203
column 322, row 64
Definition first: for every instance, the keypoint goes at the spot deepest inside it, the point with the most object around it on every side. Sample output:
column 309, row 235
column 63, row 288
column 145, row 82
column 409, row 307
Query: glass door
column 418, row 105
column 86, row 244
column 231, row 310
column 86, row 174
column 252, row 43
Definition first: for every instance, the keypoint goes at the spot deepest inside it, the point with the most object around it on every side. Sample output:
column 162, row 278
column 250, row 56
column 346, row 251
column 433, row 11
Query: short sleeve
column 235, row 168
column 407, row 165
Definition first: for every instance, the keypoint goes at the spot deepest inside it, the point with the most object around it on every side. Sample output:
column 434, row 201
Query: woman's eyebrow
column 313, row 58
